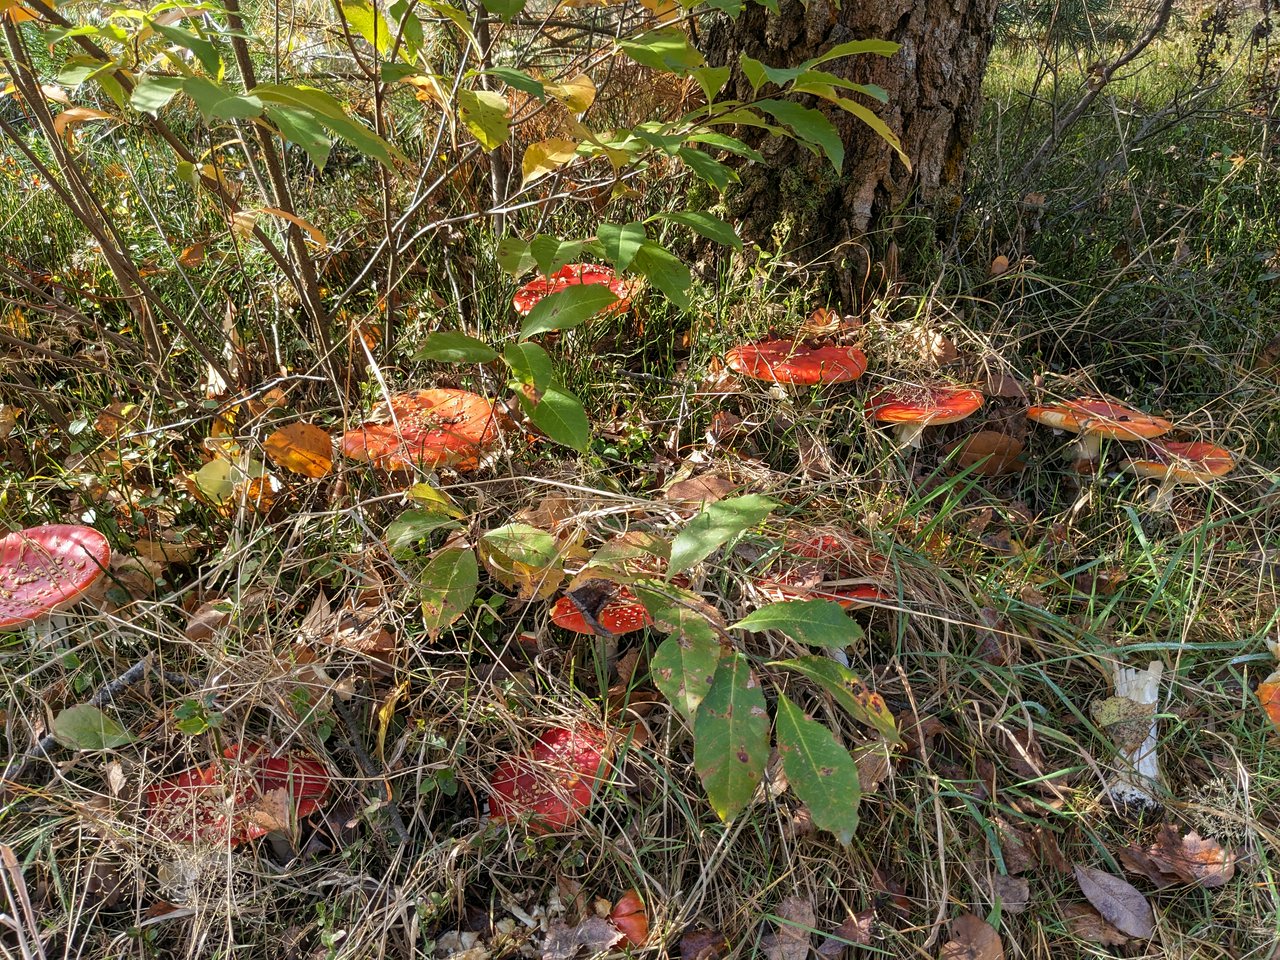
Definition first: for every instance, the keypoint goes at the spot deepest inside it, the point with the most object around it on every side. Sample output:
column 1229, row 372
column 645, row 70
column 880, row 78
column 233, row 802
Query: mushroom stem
column 909, row 435
column 1162, row 497
column 1087, row 448
column 1137, row 779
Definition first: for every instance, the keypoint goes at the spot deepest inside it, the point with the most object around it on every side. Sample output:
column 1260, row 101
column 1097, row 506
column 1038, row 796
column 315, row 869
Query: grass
column 1145, row 275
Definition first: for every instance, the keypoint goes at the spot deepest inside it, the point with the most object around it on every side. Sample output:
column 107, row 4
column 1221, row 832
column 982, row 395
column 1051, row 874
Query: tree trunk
column 933, row 83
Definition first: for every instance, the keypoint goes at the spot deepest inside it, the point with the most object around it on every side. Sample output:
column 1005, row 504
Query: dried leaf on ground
column 791, row 940
column 972, row 938
column 595, row 934
column 856, row 930
column 1175, row 858
column 1086, row 923
column 1118, row 901
column 703, row 944
column 703, row 489
column 302, row 448
column 1125, row 721
column 1014, row 892
column 208, row 618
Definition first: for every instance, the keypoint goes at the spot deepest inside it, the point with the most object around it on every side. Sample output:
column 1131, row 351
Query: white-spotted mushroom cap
column 43, row 569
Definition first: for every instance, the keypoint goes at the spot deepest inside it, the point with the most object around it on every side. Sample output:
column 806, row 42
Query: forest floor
column 1142, row 261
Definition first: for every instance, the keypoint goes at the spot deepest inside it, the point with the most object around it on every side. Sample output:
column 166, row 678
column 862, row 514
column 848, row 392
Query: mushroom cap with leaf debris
column 43, row 569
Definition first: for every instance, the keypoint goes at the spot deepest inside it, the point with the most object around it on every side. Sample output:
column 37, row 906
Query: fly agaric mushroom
column 989, row 453
column 428, row 429
column 44, row 569
column 250, row 796
column 792, row 585
column 1137, row 777
column 1093, row 418
column 600, row 607
column 796, row 364
column 631, row 919
column 912, row 409
column 554, row 782
column 571, row 275
column 1175, row 463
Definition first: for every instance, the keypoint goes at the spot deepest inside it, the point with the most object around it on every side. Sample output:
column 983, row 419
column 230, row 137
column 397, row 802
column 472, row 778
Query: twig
column 370, row 768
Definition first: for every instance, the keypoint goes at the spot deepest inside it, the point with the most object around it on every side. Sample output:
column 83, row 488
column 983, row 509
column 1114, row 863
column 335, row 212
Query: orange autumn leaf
column 1269, row 697
column 301, row 448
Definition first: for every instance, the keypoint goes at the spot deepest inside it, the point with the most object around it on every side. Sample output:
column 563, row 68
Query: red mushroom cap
column 554, row 782
column 1183, row 462
column 572, row 274
column 930, row 405
column 427, row 428
column 631, row 919
column 45, row 568
column 789, row 585
column 200, row 805
column 786, row 361
column 1100, row 417
column 612, row 606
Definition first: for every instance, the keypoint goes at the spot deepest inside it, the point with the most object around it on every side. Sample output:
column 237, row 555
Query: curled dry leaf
column 791, row 940
column 1118, row 901
column 595, row 935
column 999, row 266
column 972, row 938
column 696, row 491
column 1176, row 858
column 302, row 448
column 855, row 931
column 207, row 619
column 703, row 944
column 1086, row 923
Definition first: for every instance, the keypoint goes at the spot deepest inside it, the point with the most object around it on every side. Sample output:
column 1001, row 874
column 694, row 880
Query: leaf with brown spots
column 731, row 737
column 972, row 938
column 820, row 770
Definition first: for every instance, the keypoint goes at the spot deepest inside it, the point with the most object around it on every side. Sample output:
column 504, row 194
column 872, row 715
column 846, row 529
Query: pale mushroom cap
column 786, row 361
column 1101, row 418
column 1183, row 462
column 937, row 405
column 43, row 569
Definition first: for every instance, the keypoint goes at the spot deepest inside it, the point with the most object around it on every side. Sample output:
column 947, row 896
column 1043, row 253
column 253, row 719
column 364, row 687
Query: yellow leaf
column 664, row 11
column 73, row 115
column 8, row 419
column 315, row 233
column 577, row 94
column 15, row 11
column 302, row 448
column 545, row 156
column 243, row 222
column 192, row 256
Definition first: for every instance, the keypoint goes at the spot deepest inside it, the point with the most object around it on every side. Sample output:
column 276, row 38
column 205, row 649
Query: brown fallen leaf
column 208, row 619
column 972, row 938
column 1002, row 384
column 703, row 944
column 791, row 940
column 594, row 934
column 1189, row 859
column 1118, row 901
column 707, row 488
column 999, row 266
column 855, row 931
column 1014, row 892
column 301, row 448
column 1086, row 923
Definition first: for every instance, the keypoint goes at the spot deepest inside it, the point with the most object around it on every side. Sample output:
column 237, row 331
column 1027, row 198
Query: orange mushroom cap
column 1183, row 462
column 989, row 453
column 43, row 569
column 427, row 428
column 600, row 607
column 787, row 361
column 200, row 806
column 572, row 274
column 932, row 405
column 631, row 919
column 554, row 782
column 1100, row 417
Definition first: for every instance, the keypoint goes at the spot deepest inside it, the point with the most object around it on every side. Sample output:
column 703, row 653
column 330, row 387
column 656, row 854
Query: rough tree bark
column 933, row 85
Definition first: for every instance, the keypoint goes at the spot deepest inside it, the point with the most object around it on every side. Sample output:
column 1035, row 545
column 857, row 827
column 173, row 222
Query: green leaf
column 731, row 737
column 665, row 271
column 453, row 346
column 152, row 94
column 715, row 526
column 218, row 103
column 560, row 415
column 329, row 112
column 204, row 51
column 820, row 771
column 485, row 115
column 712, row 80
column 706, row 225
column 731, row 144
column 405, row 20
column 435, row 500
column 865, row 114
column 302, row 128
column 459, row 18
column 552, row 253
column 529, row 364
column 412, row 528
column 514, row 256
column 522, row 556
column 810, row 125
column 506, row 9
column 447, row 586
column 822, row 78
column 368, row 22
column 731, row 7
column 685, row 663
column 819, row 623
column 620, row 243
column 882, row 48
column 757, row 73
column 85, row 727
column 519, row 80
column 846, row 689
column 567, row 309
column 664, row 49
column 709, row 169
